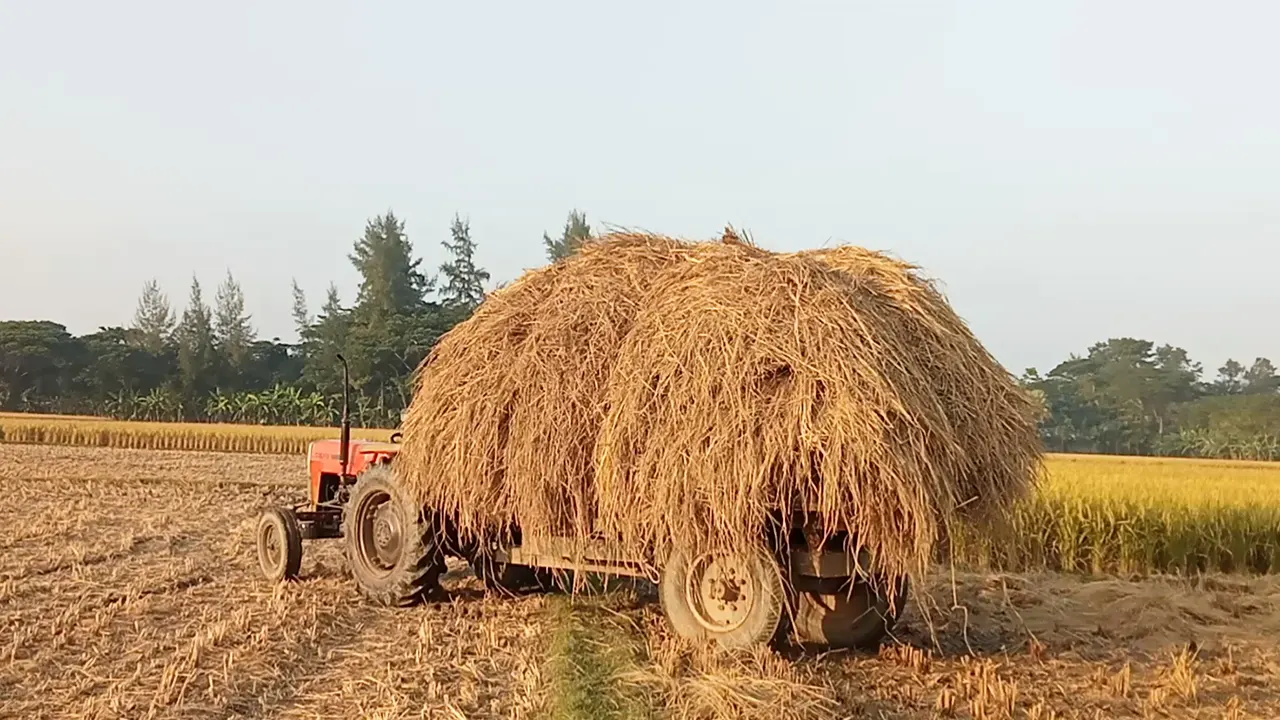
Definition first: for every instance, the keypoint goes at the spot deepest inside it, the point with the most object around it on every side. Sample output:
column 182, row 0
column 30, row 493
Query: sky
column 1067, row 171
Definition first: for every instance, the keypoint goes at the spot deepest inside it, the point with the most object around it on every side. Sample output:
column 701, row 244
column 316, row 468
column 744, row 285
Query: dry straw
column 665, row 393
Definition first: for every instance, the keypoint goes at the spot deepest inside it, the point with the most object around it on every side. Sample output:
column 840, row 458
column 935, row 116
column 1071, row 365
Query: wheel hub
column 380, row 537
column 386, row 535
column 271, row 546
column 719, row 591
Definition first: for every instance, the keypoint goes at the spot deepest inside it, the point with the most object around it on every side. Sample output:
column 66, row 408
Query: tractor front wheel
column 391, row 546
column 279, row 544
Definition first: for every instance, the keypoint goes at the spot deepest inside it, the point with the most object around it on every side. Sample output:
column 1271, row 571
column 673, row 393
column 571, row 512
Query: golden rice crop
column 69, row 430
column 672, row 394
column 1106, row 514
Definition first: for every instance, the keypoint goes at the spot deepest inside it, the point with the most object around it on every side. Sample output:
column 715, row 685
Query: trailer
column 806, row 581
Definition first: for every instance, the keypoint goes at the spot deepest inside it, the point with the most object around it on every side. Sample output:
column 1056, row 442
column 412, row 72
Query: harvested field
column 128, row 589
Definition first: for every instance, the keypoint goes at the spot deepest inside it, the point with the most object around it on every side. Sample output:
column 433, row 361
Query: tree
column 114, row 366
column 323, row 340
column 301, row 316
column 232, row 331
column 391, row 283
column 576, row 233
column 1177, row 381
column 1260, row 378
column 271, row 363
column 197, row 357
column 1121, row 397
column 392, row 324
column 464, row 282
column 1230, row 378
column 154, row 319
column 36, row 360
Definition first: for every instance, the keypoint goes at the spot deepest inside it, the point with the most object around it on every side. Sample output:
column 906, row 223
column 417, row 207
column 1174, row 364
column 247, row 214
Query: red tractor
column 396, row 551
column 391, row 547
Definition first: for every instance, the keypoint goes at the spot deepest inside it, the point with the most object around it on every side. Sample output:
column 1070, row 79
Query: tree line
column 207, row 364
column 1130, row 396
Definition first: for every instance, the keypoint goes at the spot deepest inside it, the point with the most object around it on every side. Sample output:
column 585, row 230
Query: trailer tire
column 391, row 545
column 504, row 577
column 854, row 614
column 733, row 600
column 279, row 539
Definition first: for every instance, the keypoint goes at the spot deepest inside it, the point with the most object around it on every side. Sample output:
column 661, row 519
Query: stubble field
column 129, row 589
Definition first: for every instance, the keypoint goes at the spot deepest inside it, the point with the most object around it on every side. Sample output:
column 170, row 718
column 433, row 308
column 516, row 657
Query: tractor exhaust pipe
column 344, row 444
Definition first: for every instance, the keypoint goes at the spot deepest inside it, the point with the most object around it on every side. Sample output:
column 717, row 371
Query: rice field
column 79, row 430
column 1127, row 515
column 1091, row 514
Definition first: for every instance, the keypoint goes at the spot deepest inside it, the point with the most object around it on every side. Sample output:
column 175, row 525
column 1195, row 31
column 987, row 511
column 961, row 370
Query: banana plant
column 218, row 407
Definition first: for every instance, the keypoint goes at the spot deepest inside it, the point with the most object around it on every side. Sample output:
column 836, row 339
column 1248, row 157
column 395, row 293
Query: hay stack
column 656, row 392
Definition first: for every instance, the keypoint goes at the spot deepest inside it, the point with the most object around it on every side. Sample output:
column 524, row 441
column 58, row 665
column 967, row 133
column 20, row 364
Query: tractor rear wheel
column 850, row 614
column 279, row 544
column 736, row 600
column 391, row 545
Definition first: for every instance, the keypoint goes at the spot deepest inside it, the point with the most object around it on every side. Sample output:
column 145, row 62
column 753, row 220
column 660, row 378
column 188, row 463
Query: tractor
column 396, row 552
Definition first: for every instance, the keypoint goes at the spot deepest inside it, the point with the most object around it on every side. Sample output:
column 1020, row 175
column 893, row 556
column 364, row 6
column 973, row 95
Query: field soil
column 129, row 589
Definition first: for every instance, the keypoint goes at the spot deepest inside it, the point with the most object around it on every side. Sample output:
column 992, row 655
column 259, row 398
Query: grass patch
column 590, row 652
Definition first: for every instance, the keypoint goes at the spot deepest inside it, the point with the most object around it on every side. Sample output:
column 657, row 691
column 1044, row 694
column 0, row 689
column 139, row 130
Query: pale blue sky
column 1070, row 171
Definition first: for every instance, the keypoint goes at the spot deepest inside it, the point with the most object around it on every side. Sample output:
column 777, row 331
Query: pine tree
column 323, row 339
column 391, row 283
column 153, row 322
column 576, row 233
column 197, row 357
column 332, row 312
column 464, row 282
column 301, row 316
column 233, row 331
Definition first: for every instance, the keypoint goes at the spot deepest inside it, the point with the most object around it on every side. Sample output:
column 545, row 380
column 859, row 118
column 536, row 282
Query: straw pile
column 659, row 392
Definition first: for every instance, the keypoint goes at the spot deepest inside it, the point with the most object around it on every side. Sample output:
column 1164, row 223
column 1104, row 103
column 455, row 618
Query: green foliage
column 1230, row 379
column 464, row 282
column 154, row 320
column 197, row 358
column 301, row 316
column 1129, row 396
column 113, row 365
column 576, row 232
column 34, row 357
column 323, row 341
column 232, row 329
column 1261, row 378
column 391, row 283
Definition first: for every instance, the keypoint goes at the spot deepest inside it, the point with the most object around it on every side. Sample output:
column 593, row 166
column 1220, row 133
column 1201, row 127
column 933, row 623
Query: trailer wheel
column 279, row 544
column 391, row 546
column 735, row 600
column 851, row 614
column 504, row 577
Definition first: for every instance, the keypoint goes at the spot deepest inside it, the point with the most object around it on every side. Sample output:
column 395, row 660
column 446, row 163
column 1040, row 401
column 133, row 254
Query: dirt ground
column 129, row 589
